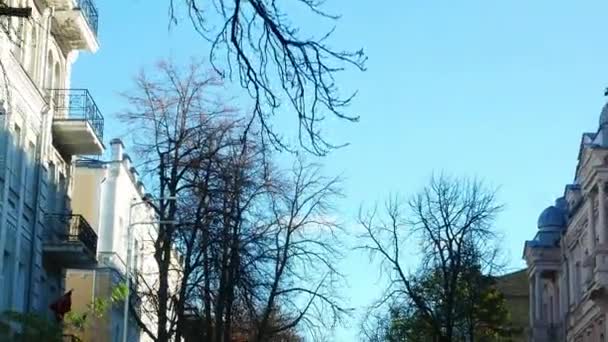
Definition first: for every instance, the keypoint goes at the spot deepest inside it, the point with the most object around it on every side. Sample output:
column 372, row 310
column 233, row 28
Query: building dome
column 552, row 218
column 604, row 116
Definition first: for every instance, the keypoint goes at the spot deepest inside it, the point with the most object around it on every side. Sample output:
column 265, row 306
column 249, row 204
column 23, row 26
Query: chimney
column 117, row 149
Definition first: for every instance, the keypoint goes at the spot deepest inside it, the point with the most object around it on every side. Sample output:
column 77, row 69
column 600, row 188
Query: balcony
column 76, row 23
column 112, row 261
column 70, row 242
column 77, row 124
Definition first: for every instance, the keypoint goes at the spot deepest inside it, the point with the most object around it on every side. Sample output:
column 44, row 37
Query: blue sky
column 501, row 90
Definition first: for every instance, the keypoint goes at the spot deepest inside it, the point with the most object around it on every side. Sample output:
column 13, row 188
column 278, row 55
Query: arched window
column 48, row 75
column 24, row 41
column 32, row 53
column 57, row 77
column 20, row 37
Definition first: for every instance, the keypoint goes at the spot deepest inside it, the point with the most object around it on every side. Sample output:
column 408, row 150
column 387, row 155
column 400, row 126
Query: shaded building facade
column 568, row 257
column 44, row 126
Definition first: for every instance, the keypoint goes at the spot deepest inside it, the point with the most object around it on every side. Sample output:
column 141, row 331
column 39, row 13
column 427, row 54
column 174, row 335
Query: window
column 550, row 309
column 19, row 36
column 57, row 84
column 118, row 236
column 61, row 195
column 51, row 176
column 21, row 288
column 48, row 76
column 7, row 282
column 31, row 173
column 17, row 135
column 32, row 52
column 135, row 261
column 17, row 161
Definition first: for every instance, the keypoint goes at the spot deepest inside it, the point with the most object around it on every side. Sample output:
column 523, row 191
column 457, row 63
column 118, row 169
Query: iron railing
column 90, row 13
column 74, row 228
column 78, row 104
column 113, row 261
column 70, row 338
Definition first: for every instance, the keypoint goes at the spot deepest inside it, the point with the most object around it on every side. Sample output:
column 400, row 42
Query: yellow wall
column 514, row 286
column 97, row 329
column 85, row 196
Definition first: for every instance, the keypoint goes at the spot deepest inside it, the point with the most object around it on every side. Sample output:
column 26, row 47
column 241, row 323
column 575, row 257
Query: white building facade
column 44, row 125
column 568, row 258
column 110, row 195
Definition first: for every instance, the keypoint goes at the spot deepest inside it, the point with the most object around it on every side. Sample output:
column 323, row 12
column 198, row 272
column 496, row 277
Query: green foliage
column 27, row 327
column 481, row 310
column 491, row 315
column 119, row 293
column 30, row 327
column 79, row 321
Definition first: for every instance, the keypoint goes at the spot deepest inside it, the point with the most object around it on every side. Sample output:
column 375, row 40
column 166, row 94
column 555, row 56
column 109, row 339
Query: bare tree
column 167, row 113
column 269, row 251
column 452, row 222
column 300, row 279
column 12, row 24
column 257, row 244
column 257, row 42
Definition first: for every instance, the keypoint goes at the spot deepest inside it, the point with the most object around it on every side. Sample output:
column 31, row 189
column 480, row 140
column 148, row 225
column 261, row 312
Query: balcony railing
column 70, row 338
column 73, row 228
column 78, row 104
column 113, row 261
column 90, row 13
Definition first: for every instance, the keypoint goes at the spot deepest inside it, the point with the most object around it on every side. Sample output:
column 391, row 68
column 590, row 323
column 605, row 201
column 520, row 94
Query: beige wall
column 81, row 282
column 86, row 194
column 514, row 287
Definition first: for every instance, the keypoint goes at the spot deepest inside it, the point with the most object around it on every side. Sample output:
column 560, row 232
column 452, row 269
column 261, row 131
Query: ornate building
column 44, row 126
column 568, row 258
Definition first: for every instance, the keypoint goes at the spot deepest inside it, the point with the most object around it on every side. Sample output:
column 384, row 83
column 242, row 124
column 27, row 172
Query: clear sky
column 501, row 90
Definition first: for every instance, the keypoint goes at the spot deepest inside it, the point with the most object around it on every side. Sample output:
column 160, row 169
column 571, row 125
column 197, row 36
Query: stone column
column 591, row 219
column 590, row 261
column 538, row 296
column 531, row 300
column 601, row 261
column 556, row 302
column 601, row 226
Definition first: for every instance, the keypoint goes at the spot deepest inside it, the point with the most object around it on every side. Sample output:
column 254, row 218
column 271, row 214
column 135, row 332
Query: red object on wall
column 62, row 306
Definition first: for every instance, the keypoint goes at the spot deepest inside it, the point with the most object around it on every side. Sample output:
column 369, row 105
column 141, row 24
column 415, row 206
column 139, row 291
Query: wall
column 28, row 189
column 86, row 196
column 514, row 287
column 103, row 193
